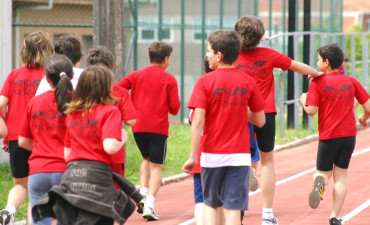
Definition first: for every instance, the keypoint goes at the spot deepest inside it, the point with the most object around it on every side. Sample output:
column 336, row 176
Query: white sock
column 144, row 191
column 149, row 202
column 267, row 212
column 11, row 209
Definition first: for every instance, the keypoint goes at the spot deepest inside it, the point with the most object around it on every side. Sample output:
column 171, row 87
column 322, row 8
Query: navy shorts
column 18, row 158
column 226, row 186
column 152, row 146
column 198, row 193
column 336, row 151
column 266, row 134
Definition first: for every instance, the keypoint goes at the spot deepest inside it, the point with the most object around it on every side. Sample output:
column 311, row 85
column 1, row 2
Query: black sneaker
column 140, row 206
column 335, row 221
column 317, row 191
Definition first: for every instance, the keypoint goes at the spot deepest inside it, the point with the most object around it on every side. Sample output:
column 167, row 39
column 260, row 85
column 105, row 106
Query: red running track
column 294, row 169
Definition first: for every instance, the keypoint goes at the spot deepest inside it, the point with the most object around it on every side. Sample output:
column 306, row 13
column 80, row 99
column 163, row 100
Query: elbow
column 260, row 123
column 130, row 122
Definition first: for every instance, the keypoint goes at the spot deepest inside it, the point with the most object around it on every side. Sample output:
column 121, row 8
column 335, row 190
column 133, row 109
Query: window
column 148, row 29
column 212, row 24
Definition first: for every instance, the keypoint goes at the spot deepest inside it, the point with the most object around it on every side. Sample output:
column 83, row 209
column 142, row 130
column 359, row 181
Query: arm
column 196, row 132
column 3, row 128
column 3, row 105
column 130, row 122
column 257, row 118
column 112, row 145
column 364, row 117
column 173, row 98
column 67, row 152
column 304, row 69
column 26, row 143
column 310, row 110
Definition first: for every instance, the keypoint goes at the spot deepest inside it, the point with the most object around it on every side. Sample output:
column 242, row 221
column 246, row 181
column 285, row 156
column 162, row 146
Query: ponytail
column 63, row 92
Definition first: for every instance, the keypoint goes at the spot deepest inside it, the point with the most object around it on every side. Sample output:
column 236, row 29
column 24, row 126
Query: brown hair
column 251, row 31
column 59, row 70
column 36, row 48
column 226, row 42
column 158, row 51
column 94, row 87
column 100, row 56
column 69, row 46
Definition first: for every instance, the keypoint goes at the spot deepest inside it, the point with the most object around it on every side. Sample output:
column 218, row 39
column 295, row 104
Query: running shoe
column 253, row 182
column 140, row 206
column 269, row 221
column 317, row 191
column 149, row 214
column 335, row 221
column 6, row 218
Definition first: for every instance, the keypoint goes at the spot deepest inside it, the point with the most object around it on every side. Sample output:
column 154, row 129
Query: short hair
column 36, row 48
column 333, row 53
column 226, row 42
column 69, row 46
column 251, row 31
column 59, row 70
column 158, row 51
column 94, row 87
column 100, row 56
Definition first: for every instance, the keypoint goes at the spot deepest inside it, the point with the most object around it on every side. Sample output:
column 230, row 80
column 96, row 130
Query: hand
column 311, row 77
column 189, row 165
column 5, row 146
column 362, row 121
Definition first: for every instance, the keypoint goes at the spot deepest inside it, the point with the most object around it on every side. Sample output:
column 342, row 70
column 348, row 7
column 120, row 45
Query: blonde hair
column 36, row 48
column 94, row 87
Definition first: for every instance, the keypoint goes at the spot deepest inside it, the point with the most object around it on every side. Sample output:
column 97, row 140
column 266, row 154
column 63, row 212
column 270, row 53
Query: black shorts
column 18, row 158
column 336, row 151
column 152, row 146
column 266, row 134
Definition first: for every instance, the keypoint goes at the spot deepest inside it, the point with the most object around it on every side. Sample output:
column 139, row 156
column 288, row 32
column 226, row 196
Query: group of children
column 70, row 139
column 241, row 89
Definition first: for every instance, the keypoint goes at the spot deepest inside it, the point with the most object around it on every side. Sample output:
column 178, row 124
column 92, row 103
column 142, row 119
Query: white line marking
column 356, row 211
column 299, row 175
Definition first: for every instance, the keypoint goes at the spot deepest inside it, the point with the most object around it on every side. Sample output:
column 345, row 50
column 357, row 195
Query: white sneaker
column 6, row 218
column 149, row 214
column 269, row 221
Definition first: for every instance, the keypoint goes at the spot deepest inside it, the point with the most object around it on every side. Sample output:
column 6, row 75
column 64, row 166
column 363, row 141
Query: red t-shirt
column 46, row 126
column 128, row 112
column 85, row 133
column 19, row 87
column 334, row 94
column 154, row 93
column 225, row 94
column 259, row 64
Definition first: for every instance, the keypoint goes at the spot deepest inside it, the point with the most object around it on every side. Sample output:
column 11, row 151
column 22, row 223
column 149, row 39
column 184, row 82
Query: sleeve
column 198, row 98
column 173, row 97
column 112, row 124
column 126, row 106
column 126, row 82
column 280, row 60
column 6, row 89
column 361, row 94
column 313, row 94
column 25, row 129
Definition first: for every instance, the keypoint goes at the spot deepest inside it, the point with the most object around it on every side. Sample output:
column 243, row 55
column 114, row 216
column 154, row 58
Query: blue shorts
column 226, row 186
column 198, row 193
column 336, row 151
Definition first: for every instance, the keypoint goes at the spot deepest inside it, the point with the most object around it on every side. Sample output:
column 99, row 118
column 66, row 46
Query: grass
column 178, row 149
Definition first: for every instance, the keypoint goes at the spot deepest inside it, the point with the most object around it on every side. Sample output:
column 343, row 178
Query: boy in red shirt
column 18, row 89
column 102, row 56
column 221, row 100
column 154, row 93
column 259, row 63
column 328, row 95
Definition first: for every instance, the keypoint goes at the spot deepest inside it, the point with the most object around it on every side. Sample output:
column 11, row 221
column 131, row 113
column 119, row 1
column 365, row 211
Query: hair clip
column 62, row 74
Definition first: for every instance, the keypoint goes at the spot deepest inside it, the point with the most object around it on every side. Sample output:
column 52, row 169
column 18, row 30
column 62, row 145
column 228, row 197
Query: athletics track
column 294, row 168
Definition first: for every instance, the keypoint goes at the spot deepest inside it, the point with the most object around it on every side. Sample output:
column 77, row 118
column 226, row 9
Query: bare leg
column 198, row 213
column 210, row 215
column 144, row 173
column 155, row 180
column 232, row 217
column 267, row 178
column 339, row 190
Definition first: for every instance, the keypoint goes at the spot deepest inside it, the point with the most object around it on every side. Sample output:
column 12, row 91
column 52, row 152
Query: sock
column 267, row 212
column 11, row 209
column 149, row 202
column 144, row 191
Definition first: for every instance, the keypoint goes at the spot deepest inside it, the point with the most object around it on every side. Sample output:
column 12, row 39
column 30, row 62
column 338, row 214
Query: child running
column 220, row 100
column 259, row 62
column 154, row 93
column 86, row 194
column 43, row 130
column 328, row 95
column 103, row 57
column 19, row 87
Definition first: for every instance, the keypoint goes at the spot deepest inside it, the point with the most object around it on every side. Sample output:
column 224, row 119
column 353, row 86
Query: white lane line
column 356, row 211
column 286, row 180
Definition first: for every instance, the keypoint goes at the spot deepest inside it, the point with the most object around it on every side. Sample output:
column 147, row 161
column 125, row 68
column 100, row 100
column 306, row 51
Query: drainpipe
column 49, row 6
